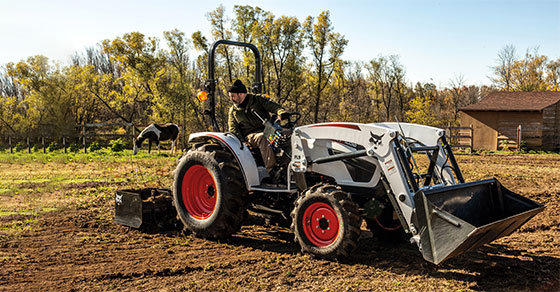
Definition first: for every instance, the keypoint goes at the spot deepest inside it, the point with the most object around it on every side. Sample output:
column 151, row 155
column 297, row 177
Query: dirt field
column 57, row 234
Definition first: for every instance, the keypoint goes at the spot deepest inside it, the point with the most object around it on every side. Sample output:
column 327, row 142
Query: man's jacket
column 242, row 121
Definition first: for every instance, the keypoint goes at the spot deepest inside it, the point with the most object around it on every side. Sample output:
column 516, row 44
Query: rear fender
column 241, row 153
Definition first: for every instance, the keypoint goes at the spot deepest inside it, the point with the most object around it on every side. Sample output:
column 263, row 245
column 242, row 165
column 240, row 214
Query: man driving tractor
column 247, row 126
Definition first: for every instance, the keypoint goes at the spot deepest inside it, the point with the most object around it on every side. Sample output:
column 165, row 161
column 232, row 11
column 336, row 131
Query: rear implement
column 149, row 209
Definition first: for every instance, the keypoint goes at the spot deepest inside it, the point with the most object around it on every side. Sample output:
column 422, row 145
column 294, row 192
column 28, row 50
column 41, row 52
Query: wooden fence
column 460, row 137
column 88, row 133
column 85, row 133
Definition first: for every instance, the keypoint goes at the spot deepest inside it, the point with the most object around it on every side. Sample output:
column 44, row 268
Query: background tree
column 132, row 79
column 326, row 49
column 220, row 31
column 142, row 67
column 177, row 101
column 421, row 111
column 48, row 102
column 534, row 72
column 246, row 21
column 401, row 90
column 355, row 103
column 553, row 75
column 386, row 78
column 529, row 73
column 503, row 71
column 281, row 40
column 457, row 95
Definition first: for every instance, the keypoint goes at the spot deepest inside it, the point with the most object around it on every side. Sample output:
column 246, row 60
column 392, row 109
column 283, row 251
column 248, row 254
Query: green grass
column 79, row 157
column 35, row 183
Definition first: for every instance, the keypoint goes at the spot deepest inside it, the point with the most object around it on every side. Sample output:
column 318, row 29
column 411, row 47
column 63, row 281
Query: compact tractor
column 334, row 176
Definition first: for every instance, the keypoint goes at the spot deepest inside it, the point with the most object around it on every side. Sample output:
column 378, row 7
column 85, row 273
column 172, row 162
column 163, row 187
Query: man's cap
column 237, row 87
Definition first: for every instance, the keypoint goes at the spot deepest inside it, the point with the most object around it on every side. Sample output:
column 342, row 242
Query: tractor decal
column 375, row 139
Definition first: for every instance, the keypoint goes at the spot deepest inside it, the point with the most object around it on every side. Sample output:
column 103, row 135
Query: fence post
column 133, row 135
column 519, row 137
column 43, row 142
column 10, row 142
column 472, row 137
column 64, row 143
column 28, row 146
column 84, row 138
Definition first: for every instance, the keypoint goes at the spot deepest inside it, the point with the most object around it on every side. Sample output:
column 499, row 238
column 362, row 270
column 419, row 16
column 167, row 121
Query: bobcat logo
column 118, row 199
column 375, row 139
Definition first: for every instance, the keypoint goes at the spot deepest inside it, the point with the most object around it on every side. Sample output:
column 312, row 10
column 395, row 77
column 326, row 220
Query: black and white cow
column 158, row 133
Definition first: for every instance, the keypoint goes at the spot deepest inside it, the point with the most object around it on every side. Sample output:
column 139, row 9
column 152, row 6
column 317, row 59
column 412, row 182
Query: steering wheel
column 291, row 121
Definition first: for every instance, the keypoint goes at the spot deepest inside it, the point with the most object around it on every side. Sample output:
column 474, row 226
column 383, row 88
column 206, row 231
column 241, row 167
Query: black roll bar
column 210, row 84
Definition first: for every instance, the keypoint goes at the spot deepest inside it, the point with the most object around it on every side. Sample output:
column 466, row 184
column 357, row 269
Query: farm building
column 504, row 118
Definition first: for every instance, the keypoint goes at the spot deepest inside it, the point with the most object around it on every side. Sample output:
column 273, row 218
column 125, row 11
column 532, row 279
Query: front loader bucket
column 459, row 218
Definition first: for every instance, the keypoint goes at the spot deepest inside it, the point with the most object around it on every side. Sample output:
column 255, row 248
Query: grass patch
column 103, row 155
column 41, row 182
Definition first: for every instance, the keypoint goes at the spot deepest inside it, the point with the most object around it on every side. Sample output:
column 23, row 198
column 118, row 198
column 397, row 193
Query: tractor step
column 455, row 219
column 149, row 209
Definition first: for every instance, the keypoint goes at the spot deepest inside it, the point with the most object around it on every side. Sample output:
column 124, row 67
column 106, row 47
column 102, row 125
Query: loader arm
column 421, row 135
column 379, row 143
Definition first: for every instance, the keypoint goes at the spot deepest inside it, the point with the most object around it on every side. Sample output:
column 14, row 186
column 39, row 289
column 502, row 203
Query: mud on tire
column 326, row 223
column 209, row 192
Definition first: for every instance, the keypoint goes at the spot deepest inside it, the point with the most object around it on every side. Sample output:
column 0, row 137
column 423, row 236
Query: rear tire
column 326, row 223
column 209, row 192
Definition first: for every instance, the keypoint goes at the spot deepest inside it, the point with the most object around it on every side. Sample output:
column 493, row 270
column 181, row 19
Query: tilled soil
column 81, row 249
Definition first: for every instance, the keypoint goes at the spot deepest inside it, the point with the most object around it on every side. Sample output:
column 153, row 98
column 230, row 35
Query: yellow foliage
column 421, row 111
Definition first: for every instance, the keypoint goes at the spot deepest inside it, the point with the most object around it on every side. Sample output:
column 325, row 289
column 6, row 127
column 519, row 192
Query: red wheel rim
column 199, row 192
column 320, row 224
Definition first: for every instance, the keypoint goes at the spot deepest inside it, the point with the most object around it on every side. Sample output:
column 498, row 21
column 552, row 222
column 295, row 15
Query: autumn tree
column 200, row 44
column 142, row 65
column 326, row 49
column 48, row 102
column 402, row 92
column 220, row 31
column 246, row 22
column 177, row 101
column 553, row 75
column 534, row 72
column 355, row 104
column 281, row 42
column 421, row 111
column 530, row 72
column 457, row 95
column 386, row 75
column 504, row 68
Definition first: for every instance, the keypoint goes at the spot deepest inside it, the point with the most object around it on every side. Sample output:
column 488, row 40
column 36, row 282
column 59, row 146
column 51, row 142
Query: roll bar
column 210, row 84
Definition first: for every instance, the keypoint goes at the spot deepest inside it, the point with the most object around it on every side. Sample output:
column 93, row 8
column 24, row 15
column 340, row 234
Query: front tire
column 209, row 192
column 326, row 223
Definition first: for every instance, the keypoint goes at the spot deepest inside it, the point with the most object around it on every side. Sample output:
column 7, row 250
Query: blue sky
column 436, row 40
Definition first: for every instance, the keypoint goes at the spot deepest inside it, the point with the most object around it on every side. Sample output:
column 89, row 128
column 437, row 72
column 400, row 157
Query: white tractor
column 337, row 174
column 334, row 176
